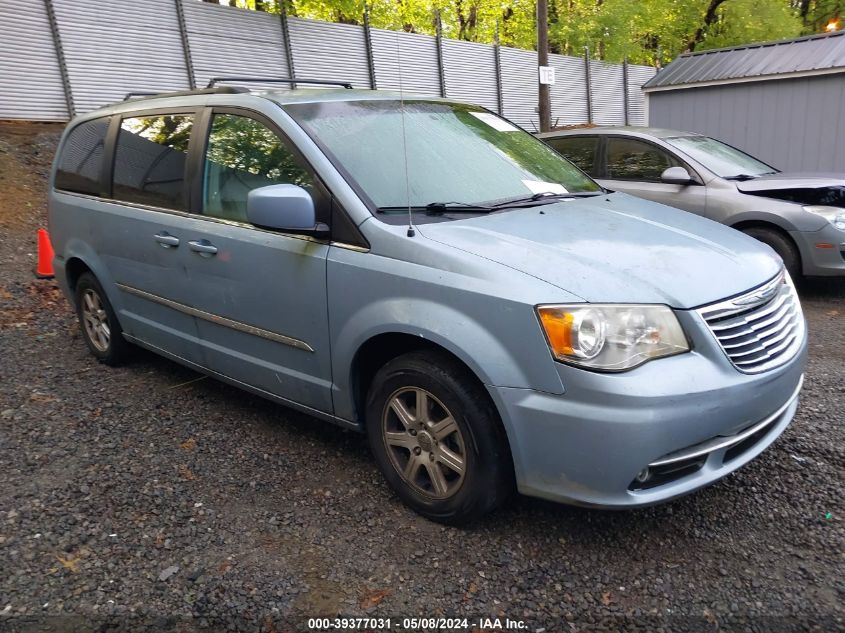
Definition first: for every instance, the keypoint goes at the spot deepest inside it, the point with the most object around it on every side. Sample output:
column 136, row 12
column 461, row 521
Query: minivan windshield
column 436, row 155
column 723, row 160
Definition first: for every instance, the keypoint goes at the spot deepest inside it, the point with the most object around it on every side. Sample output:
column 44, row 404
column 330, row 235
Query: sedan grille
column 761, row 329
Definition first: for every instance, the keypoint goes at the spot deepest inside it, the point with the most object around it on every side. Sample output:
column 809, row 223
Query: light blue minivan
column 428, row 273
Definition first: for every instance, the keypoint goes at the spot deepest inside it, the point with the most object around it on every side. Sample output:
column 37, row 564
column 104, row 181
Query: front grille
column 760, row 329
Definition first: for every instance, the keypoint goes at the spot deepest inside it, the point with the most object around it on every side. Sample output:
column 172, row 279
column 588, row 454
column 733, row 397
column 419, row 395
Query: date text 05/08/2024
column 416, row 624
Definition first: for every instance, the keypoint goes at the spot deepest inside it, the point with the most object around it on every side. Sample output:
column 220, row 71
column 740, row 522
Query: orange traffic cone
column 45, row 256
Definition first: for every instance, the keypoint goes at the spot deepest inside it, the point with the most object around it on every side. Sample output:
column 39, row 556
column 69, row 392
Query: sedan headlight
column 611, row 337
column 834, row 215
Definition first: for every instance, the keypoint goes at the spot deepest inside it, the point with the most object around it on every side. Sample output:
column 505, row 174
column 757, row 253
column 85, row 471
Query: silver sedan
column 801, row 216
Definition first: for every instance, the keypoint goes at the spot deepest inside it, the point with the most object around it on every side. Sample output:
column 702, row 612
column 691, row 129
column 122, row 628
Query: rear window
column 580, row 150
column 149, row 162
column 81, row 160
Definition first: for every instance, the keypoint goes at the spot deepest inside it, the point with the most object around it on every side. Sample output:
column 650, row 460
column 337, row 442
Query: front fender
column 496, row 359
column 793, row 219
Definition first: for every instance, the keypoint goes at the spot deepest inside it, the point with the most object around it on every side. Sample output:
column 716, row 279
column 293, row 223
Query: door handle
column 166, row 239
column 203, row 247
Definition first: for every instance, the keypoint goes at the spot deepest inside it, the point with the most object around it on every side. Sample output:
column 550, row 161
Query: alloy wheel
column 96, row 320
column 424, row 443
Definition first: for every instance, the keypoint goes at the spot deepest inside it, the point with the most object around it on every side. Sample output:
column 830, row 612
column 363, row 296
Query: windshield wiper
column 741, row 177
column 438, row 208
column 540, row 198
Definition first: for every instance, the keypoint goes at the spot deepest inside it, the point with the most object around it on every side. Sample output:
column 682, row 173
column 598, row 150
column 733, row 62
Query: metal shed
column 783, row 102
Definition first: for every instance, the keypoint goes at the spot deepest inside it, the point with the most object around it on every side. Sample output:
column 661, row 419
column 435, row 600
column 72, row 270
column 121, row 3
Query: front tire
column 781, row 245
column 437, row 438
column 100, row 328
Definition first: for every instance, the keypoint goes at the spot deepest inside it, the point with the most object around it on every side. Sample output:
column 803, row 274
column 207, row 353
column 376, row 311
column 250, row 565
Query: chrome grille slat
column 743, row 318
column 761, row 329
column 772, row 351
column 763, row 334
column 761, row 346
column 756, row 325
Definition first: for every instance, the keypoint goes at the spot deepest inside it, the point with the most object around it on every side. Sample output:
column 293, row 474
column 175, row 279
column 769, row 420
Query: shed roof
column 813, row 54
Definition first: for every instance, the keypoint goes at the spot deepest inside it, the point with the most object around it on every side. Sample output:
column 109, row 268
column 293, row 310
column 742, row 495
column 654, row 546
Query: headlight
column 834, row 215
column 611, row 337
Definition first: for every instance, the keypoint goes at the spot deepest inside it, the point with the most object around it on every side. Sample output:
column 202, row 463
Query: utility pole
column 545, row 108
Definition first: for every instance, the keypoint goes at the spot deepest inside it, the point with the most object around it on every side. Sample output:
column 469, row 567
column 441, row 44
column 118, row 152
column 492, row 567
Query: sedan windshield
column 433, row 155
column 723, row 160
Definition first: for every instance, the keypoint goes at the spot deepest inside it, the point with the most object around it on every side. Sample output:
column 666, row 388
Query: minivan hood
column 617, row 249
column 774, row 182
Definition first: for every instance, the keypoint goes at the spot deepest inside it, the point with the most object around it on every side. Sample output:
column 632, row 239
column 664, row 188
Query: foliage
column 753, row 21
column 643, row 31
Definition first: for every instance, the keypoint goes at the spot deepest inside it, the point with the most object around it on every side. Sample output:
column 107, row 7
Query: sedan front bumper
column 821, row 261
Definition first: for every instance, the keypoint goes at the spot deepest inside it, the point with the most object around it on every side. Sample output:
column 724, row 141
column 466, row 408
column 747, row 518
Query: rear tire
column 781, row 245
column 437, row 438
column 100, row 327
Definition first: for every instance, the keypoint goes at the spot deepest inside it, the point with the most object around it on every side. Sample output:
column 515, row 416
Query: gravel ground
column 149, row 498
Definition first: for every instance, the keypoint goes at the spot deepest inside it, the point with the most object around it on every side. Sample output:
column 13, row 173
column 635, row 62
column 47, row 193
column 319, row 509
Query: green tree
column 643, row 31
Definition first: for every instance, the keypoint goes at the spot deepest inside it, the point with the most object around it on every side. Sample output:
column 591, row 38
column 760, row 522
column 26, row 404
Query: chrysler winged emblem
column 760, row 296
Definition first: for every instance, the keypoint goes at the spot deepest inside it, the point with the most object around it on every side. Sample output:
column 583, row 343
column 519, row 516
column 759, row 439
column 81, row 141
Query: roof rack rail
column 132, row 95
column 186, row 93
column 281, row 80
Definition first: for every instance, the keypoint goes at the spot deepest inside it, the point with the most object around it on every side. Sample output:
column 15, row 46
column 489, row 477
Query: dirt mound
column 26, row 153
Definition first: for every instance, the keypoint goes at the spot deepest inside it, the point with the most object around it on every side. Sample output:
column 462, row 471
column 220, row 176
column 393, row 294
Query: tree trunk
column 804, row 10
column 709, row 18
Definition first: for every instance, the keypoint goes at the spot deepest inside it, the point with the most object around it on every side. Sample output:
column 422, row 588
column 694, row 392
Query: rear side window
column 629, row 159
column 580, row 150
column 81, row 161
column 149, row 162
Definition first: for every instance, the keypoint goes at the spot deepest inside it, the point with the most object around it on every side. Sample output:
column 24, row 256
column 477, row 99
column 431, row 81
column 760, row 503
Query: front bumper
column 587, row 446
column 821, row 262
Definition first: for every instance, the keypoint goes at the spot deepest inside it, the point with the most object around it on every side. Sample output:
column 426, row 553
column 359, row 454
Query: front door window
column 244, row 154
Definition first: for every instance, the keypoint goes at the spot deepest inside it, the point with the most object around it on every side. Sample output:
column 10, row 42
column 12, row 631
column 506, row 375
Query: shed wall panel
column 792, row 124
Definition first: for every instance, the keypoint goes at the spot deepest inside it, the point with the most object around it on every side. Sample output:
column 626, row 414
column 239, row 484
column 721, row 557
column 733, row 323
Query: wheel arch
column 75, row 267
column 79, row 259
column 769, row 225
column 380, row 349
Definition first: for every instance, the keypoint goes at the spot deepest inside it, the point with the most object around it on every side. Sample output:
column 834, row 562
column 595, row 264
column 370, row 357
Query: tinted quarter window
column 82, row 158
column 629, row 159
column 244, row 154
column 580, row 150
column 149, row 162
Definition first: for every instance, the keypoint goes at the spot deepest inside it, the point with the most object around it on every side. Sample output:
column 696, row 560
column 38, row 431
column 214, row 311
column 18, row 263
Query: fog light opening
column 644, row 475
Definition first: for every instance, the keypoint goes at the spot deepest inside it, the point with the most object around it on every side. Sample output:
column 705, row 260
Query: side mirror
column 286, row 208
column 676, row 176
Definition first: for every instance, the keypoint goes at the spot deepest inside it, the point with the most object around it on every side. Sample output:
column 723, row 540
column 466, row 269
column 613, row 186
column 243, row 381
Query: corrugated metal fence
column 65, row 57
